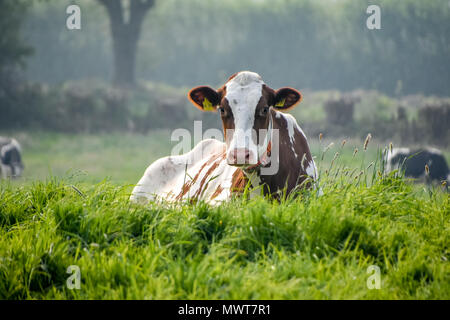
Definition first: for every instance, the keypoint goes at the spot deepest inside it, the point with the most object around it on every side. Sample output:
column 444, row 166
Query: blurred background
column 101, row 102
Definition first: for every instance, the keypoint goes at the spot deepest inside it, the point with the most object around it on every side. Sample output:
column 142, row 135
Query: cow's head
column 246, row 107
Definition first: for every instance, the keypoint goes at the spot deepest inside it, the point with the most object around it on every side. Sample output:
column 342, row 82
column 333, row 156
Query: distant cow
column 214, row 170
column 10, row 158
column 413, row 163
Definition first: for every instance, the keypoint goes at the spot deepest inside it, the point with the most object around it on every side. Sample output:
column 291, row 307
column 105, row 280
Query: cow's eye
column 222, row 111
column 264, row 111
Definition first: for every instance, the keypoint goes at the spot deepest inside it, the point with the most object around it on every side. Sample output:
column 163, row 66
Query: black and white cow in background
column 413, row 162
column 10, row 158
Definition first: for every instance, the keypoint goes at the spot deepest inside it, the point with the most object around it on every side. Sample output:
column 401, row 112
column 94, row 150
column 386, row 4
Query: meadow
column 71, row 208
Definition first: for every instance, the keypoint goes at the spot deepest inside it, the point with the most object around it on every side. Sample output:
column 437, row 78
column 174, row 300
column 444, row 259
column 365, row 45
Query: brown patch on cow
column 291, row 174
column 215, row 159
column 207, row 176
column 227, row 118
column 269, row 94
column 217, row 192
column 188, row 184
column 238, row 182
column 216, row 156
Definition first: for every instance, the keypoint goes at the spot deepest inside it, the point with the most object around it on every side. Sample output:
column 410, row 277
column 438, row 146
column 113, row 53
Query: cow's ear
column 204, row 98
column 286, row 98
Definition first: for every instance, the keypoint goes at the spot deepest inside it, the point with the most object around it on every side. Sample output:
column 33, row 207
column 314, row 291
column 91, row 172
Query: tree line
column 308, row 44
column 317, row 45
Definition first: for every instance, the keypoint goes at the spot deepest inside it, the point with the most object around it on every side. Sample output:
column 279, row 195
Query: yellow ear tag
column 207, row 105
column 280, row 103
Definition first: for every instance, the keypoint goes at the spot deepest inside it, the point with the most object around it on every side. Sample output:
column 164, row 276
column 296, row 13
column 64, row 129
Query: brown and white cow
column 262, row 145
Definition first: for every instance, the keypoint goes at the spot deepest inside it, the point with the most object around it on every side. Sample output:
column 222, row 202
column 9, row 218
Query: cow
column 274, row 162
column 416, row 162
column 11, row 165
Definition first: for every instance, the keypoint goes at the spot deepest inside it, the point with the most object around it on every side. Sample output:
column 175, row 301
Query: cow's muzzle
column 241, row 157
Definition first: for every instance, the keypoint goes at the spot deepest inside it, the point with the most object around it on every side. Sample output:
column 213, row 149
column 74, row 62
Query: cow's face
column 245, row 104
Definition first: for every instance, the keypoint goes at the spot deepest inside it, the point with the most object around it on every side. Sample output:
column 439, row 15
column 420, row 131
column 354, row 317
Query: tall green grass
column 302, row 247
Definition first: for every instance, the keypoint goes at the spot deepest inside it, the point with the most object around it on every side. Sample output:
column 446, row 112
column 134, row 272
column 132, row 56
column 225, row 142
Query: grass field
column 71, row 208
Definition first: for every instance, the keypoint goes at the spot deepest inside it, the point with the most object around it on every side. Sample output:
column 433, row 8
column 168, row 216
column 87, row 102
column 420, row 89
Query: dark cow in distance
column 11, row 165
column 414, row 161
column 263, row 146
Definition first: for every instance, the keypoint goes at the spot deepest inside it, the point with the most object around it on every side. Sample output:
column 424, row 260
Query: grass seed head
column 329, row 146
column 366, row 142
column 359, row 175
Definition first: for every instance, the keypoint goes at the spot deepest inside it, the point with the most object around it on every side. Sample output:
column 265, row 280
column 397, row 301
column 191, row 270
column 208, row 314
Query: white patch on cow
column 243, row 94
column 292, row 126
column 396, row 151
column 293, row 150
column 292, row 121
column 166, row 177
column 390, row 166
column 434, row 150
column 311, row 170
column 13, row 144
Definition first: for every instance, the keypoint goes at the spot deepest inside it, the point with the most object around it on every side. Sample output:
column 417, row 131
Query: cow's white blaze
column 243, row 94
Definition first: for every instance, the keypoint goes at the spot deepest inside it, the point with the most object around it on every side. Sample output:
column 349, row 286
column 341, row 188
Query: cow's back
column 413, row 163
column 201, row 174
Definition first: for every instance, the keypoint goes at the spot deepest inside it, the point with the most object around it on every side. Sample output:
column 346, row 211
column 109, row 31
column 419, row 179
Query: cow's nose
column 239, row 156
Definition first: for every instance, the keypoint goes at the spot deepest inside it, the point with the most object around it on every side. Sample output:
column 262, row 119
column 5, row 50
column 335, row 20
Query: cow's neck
column 293, row 150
